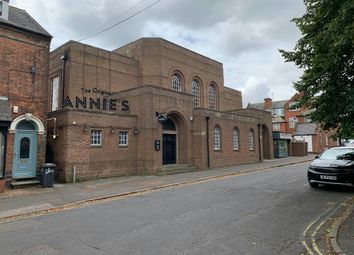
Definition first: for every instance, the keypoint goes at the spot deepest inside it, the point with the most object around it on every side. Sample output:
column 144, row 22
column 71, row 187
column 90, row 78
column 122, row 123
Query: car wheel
column 313, row 184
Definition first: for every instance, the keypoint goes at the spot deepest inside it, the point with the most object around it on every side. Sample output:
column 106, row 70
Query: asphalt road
column 268, row 212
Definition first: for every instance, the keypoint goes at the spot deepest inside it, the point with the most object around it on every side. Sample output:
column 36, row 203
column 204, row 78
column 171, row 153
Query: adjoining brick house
column 303, row 129
column 294, row 123
column 24, row 65
column 107, row 106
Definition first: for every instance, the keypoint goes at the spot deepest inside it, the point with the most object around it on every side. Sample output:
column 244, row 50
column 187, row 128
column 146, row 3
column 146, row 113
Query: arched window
column 251, row 140
column 196, row 93
column 25, row 125
column 212, row 97
column 217, row 138
column 235, row 139
column 176, row 82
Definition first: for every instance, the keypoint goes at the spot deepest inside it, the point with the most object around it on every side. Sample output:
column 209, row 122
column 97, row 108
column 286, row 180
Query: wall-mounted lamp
column 64, row 57
column 55, row 135
column 135, row 131
column 85, row 129
column 112, row 131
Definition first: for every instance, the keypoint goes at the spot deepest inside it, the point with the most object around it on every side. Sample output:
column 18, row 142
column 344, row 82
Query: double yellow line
column 332, row 216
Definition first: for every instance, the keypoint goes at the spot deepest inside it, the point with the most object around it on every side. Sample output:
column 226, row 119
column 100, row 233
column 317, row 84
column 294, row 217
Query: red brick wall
column 20, row 52
column 72, row 146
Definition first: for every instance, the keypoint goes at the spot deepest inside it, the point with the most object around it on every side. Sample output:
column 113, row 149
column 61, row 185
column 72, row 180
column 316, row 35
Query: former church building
column 144, row 107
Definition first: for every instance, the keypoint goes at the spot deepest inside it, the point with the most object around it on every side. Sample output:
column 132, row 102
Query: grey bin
column 47, row 175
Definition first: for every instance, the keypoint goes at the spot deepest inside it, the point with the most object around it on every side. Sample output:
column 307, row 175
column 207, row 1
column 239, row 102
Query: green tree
column 325, row 54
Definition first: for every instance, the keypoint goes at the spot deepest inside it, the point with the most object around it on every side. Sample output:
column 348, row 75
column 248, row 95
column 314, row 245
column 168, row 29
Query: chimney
column 267, row 104
column 4, row 9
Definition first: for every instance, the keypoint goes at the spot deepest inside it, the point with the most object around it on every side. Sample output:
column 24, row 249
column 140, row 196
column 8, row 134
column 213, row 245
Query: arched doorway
column 174, row 140
column 169, row 142
column 25, row 150
column 266, row 142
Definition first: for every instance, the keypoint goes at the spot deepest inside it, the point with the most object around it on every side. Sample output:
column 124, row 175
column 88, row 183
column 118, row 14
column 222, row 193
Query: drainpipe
column 207, row 134
column 74, row 174
column 54, row 127
column 259, row 142
column 63, row 58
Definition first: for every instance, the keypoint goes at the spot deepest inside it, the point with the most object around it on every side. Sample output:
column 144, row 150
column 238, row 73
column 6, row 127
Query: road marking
column 326, row 216
column 314, row 244
column 304, row 242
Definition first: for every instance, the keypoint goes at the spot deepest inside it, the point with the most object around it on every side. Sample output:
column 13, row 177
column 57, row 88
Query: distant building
column 281, row 138
column 145, row 107
column 294, row 123
column 24, row 64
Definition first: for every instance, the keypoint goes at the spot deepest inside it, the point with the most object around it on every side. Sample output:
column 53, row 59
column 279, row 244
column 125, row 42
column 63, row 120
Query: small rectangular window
column 54, row 82
column 292, row 122
column 123, row 138
column 327, row 142
column 276, row 126
column 96, row 137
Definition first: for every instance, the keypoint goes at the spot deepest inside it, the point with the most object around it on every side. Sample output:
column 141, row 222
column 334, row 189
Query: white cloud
column 244, row 35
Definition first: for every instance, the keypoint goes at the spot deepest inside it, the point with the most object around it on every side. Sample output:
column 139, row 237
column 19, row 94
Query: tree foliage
column 325, row 54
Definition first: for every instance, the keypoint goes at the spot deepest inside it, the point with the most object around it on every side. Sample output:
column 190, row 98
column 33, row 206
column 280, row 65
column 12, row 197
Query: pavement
column 32, row 201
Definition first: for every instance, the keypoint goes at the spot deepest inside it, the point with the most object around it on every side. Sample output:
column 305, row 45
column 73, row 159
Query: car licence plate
column 328, row 177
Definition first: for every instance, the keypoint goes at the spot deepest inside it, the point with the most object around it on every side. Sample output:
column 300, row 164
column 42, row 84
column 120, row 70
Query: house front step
column 24, row 182
column 176, row 169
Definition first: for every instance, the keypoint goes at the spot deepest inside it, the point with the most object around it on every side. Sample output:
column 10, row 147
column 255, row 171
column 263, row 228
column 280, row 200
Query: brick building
column 303, row 129
column 144, row 107
column 24, row 65
column 294, row 123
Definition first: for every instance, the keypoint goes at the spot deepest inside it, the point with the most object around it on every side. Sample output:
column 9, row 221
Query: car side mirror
column 316, row 157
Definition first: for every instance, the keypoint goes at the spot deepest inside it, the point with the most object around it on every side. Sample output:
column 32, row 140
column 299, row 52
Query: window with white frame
column 96, row 137
column 123, row 138
column 293, row 104
column 327, row 142
column 212, row 97
column 251, row 140
column 278, row 111
column 217, row 139
column 292, row 122
column 276, row 126
column 54, row 84
column 176, row 82
column 196, row 93
column 235, row 138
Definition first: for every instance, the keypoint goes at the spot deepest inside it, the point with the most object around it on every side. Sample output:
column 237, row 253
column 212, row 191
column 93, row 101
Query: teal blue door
column 25, row 154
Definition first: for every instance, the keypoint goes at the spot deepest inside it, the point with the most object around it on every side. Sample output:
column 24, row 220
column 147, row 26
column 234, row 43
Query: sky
column 244, row 35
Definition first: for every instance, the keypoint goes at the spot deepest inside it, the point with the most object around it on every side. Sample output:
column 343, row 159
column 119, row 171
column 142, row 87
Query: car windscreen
column 338, row 154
